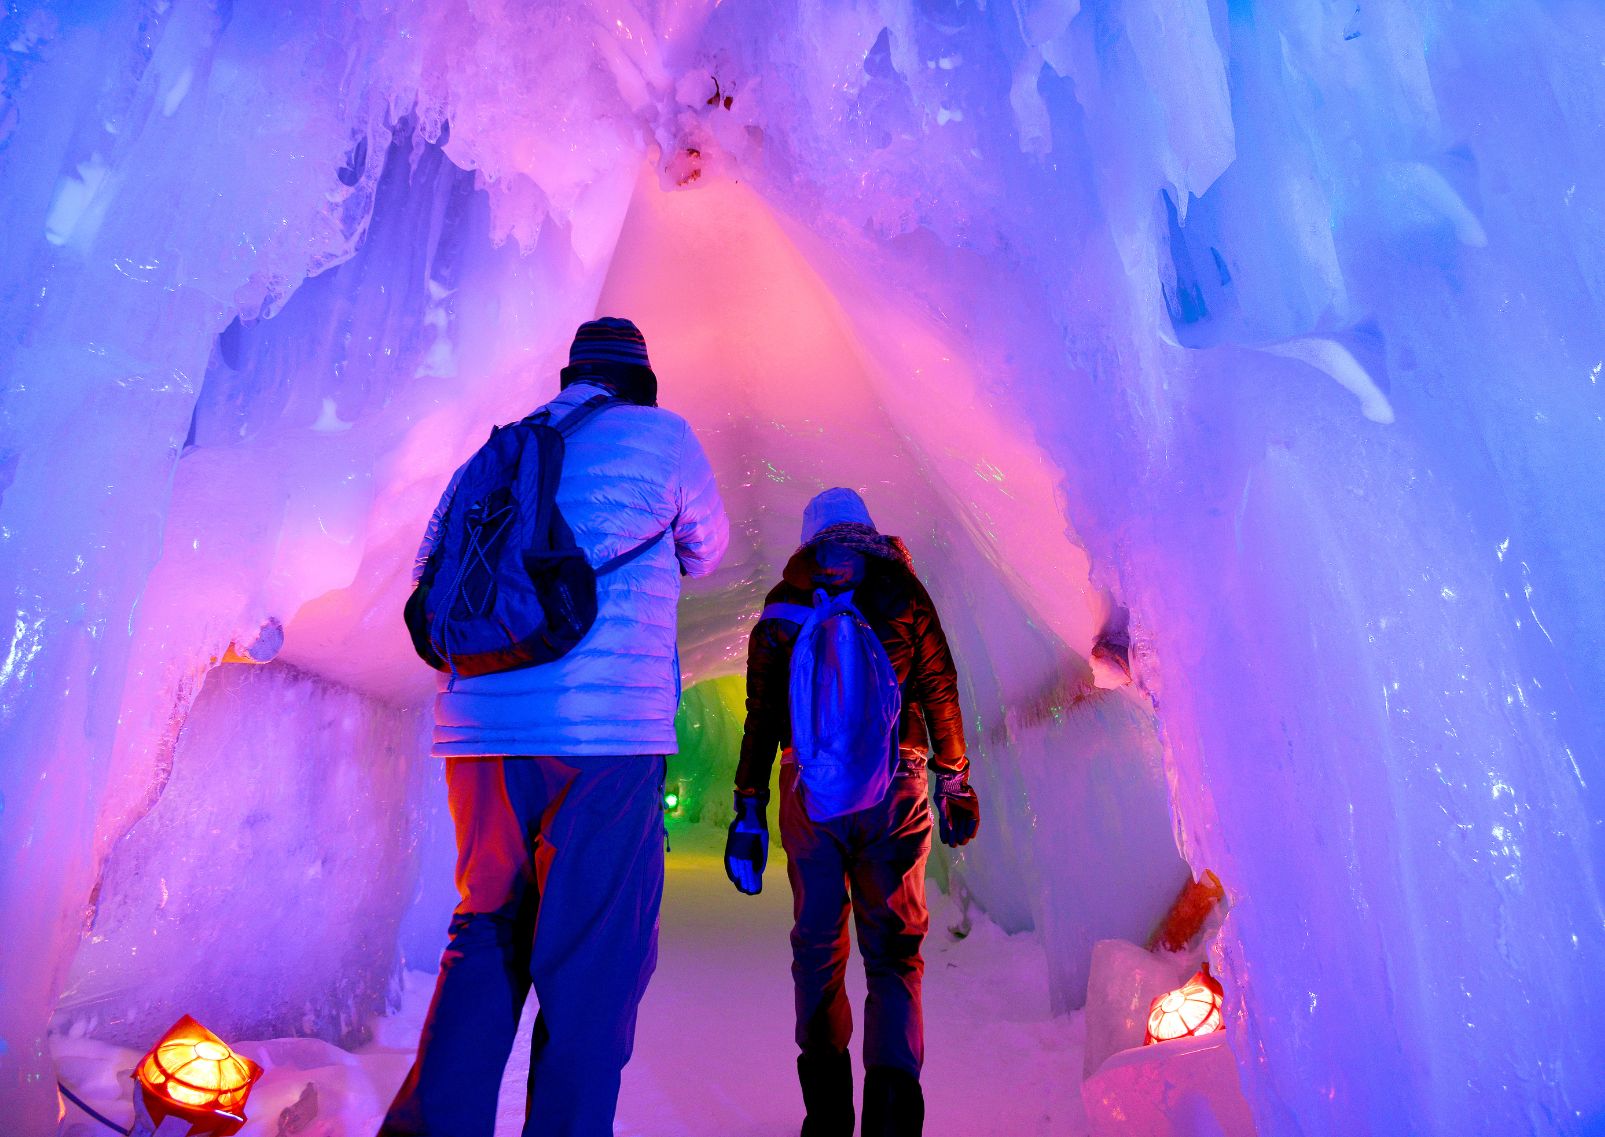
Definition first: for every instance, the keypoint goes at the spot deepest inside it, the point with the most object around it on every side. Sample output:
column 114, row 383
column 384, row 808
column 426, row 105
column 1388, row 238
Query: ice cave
column 1231, row 370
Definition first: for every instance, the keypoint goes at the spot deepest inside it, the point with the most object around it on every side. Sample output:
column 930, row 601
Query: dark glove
column 746, row 846
column 958, row 810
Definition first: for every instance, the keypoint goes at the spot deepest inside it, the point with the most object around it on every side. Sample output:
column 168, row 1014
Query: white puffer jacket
column 627, row 474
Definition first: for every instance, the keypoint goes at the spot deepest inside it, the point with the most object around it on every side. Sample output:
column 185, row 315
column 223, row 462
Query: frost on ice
column 1275, row 325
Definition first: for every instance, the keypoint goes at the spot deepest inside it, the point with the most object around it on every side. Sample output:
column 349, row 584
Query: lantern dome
column 1191, row 1010
column 193, row 1069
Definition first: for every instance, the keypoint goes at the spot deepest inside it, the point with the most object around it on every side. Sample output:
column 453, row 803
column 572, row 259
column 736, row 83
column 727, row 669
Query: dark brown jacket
column 900, row 611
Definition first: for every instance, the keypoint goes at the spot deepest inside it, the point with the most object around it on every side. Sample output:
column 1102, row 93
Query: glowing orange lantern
column 1190, row 1010
column 193, row 1076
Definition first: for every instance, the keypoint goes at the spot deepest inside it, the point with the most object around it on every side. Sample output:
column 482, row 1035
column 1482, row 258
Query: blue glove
column 746, row 846
column 958, row 810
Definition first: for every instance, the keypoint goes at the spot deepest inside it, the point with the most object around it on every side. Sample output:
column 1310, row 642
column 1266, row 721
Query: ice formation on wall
column 1277, row 324
column 274, row 768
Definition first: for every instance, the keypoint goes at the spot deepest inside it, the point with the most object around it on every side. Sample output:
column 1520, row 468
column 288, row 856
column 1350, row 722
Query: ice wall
column 119, row 271
column 1277, row 323
column 1380, row 732
column 273, row 768
column 174, row 178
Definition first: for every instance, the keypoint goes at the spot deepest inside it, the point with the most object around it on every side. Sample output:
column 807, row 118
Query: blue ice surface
column 1277, row 324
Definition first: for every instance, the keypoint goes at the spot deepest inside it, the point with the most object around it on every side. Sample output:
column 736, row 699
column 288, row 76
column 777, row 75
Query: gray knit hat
column 612, row 351
column 833, row 507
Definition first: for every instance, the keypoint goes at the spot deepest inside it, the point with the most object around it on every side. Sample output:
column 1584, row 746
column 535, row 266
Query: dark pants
column 874, row 861
column 560, row 869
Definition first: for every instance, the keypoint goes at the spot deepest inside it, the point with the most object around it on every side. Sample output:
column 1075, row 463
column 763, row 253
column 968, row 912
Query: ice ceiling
column 1276, row 325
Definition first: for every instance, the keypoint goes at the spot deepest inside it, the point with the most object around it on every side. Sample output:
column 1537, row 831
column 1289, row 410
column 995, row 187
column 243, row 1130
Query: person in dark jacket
column 873, row 860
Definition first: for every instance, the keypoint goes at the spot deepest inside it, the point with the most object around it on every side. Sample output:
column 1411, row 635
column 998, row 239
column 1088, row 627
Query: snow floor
column 714, row 1055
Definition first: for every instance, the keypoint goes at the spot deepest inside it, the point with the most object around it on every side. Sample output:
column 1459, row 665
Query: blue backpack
column 845, row 706
column 505, row 586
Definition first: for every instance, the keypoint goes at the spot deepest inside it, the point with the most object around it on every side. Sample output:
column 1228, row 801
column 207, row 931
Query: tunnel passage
column 1292, row 310
column 302, row 490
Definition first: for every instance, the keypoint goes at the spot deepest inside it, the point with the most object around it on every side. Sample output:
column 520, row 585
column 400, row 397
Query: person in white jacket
column 555, row 775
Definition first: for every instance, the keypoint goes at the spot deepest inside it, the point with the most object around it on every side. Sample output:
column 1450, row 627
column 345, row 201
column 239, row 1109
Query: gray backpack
column 845, row 706
column 505, row 586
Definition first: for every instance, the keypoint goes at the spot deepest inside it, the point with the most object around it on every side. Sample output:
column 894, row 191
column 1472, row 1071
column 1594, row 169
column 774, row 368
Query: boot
column 827, row 1089
column 894, row 1105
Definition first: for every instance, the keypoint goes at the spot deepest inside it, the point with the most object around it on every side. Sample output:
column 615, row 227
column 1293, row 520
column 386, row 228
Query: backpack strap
column 549, row 468
column 570, row 423
column 795, row 613
column 567, row 426
column 631, row 554
column 548, row 473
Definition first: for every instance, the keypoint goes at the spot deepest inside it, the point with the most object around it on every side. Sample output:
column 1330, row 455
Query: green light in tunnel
column 671, row 800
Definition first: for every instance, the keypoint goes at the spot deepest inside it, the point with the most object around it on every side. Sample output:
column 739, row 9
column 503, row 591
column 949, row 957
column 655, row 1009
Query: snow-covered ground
column 714, row 1055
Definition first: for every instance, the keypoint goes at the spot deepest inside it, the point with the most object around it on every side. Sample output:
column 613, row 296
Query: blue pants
column 873, row 863
column 560, row 870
